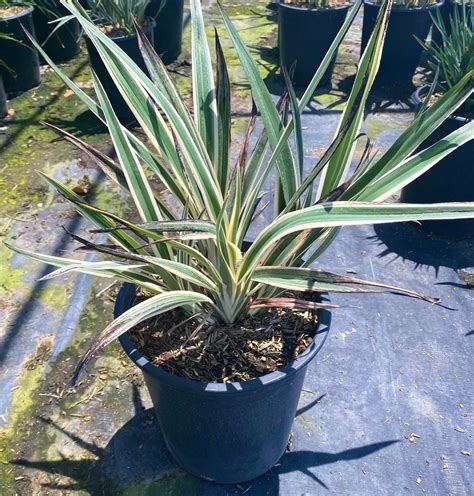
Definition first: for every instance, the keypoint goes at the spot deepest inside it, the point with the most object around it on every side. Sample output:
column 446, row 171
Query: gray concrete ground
column 387, row 406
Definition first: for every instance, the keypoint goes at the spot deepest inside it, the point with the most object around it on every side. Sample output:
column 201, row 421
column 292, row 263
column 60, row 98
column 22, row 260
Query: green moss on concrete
column 24, row 398
column 175, row 484
column 26, row 145
column 377, row 125
column 56, row 294
column 10, row 278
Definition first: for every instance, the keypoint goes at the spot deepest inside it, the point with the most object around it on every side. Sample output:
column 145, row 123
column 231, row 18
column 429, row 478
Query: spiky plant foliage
column 192, row 257
column 454, row 58
column 118, row 14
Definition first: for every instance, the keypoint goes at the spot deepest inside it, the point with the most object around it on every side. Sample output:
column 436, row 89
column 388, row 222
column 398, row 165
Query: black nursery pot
column 3, row 100
column 21, row 69
column 168, row 33
column 304, row 37
column 401, row 52
column 64, row 43
column 226, row 433
column 129, row 44
column 450, row 180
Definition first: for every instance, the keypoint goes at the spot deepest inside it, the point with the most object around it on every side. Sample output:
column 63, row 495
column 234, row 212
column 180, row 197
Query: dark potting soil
column 409, row 4
column 13, row 10
column 466, row 110
column 324, row 4
column 116, row 32
column 252, row 347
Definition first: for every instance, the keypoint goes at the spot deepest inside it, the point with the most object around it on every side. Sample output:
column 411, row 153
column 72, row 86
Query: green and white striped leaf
column 338, row 214
column 151, row 307
column 317, row 280
column 137, row 182
column 204, row 90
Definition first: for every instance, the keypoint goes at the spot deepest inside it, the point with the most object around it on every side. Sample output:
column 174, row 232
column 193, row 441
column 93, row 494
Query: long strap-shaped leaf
column 204, row 90
column 137, row 88
column 137, row 182
column 339, row 164
column 310, row 90
column 123, row 273
column 94, row 215
column 347, row 214
column 185, row 272
column 415, row 166
column 149, row 308
column 412, row 137
column 224, row 117
column 304, row 279
column 288, row 171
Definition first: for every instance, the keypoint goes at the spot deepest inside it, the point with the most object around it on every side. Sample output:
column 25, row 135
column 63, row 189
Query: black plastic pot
column 304, row 37
column 450, row 180
column 64, row 43
column 21, row 71
column 227, row 433
column 401, row 52
column 168, row 33
column 3, row 100
column 129, row 44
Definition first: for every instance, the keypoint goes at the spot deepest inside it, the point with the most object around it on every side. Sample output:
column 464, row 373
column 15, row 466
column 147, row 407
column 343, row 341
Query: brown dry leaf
column 68, row 93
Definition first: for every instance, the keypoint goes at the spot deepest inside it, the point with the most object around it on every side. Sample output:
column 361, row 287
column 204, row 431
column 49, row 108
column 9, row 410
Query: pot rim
column 28, row 10
column 316, row 9
column 418, row 102
column 400, row 8
column 124, row 297
column 148, row 29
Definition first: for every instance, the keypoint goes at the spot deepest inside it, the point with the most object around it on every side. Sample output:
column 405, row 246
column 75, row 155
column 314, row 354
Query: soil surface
column 252, row 347
column 13, row 10
column 117, row 32
column 320, row 4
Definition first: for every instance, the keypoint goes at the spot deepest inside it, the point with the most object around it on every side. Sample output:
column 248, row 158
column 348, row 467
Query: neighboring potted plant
column 453, row 177
column 115, row 18
column 168, row 32
column 3, row 99
column 234, row 325
column 306, row 30
column 447, row 11
column 401, row 53
column 20, row 69
column 59, row 40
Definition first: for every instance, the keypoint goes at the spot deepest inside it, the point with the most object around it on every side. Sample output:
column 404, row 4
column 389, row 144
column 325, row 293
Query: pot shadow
column 136, row 457
column 409, row 242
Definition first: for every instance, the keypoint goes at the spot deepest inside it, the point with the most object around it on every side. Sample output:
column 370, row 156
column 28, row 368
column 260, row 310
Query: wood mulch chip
column 252, row 347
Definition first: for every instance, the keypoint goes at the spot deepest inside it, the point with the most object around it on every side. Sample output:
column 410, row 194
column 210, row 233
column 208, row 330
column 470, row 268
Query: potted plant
column 115, row 18
column 234, row 325
column 60, row 41
column 447, row 12
column 401, row 53
column 168, row 32
column 20, row 69
column 453, row 177
column 3, row 100
column 306, row 30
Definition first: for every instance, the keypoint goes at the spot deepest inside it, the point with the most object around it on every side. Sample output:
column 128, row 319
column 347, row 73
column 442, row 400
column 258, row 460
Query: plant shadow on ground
column 409, row 242
column 136, row 454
